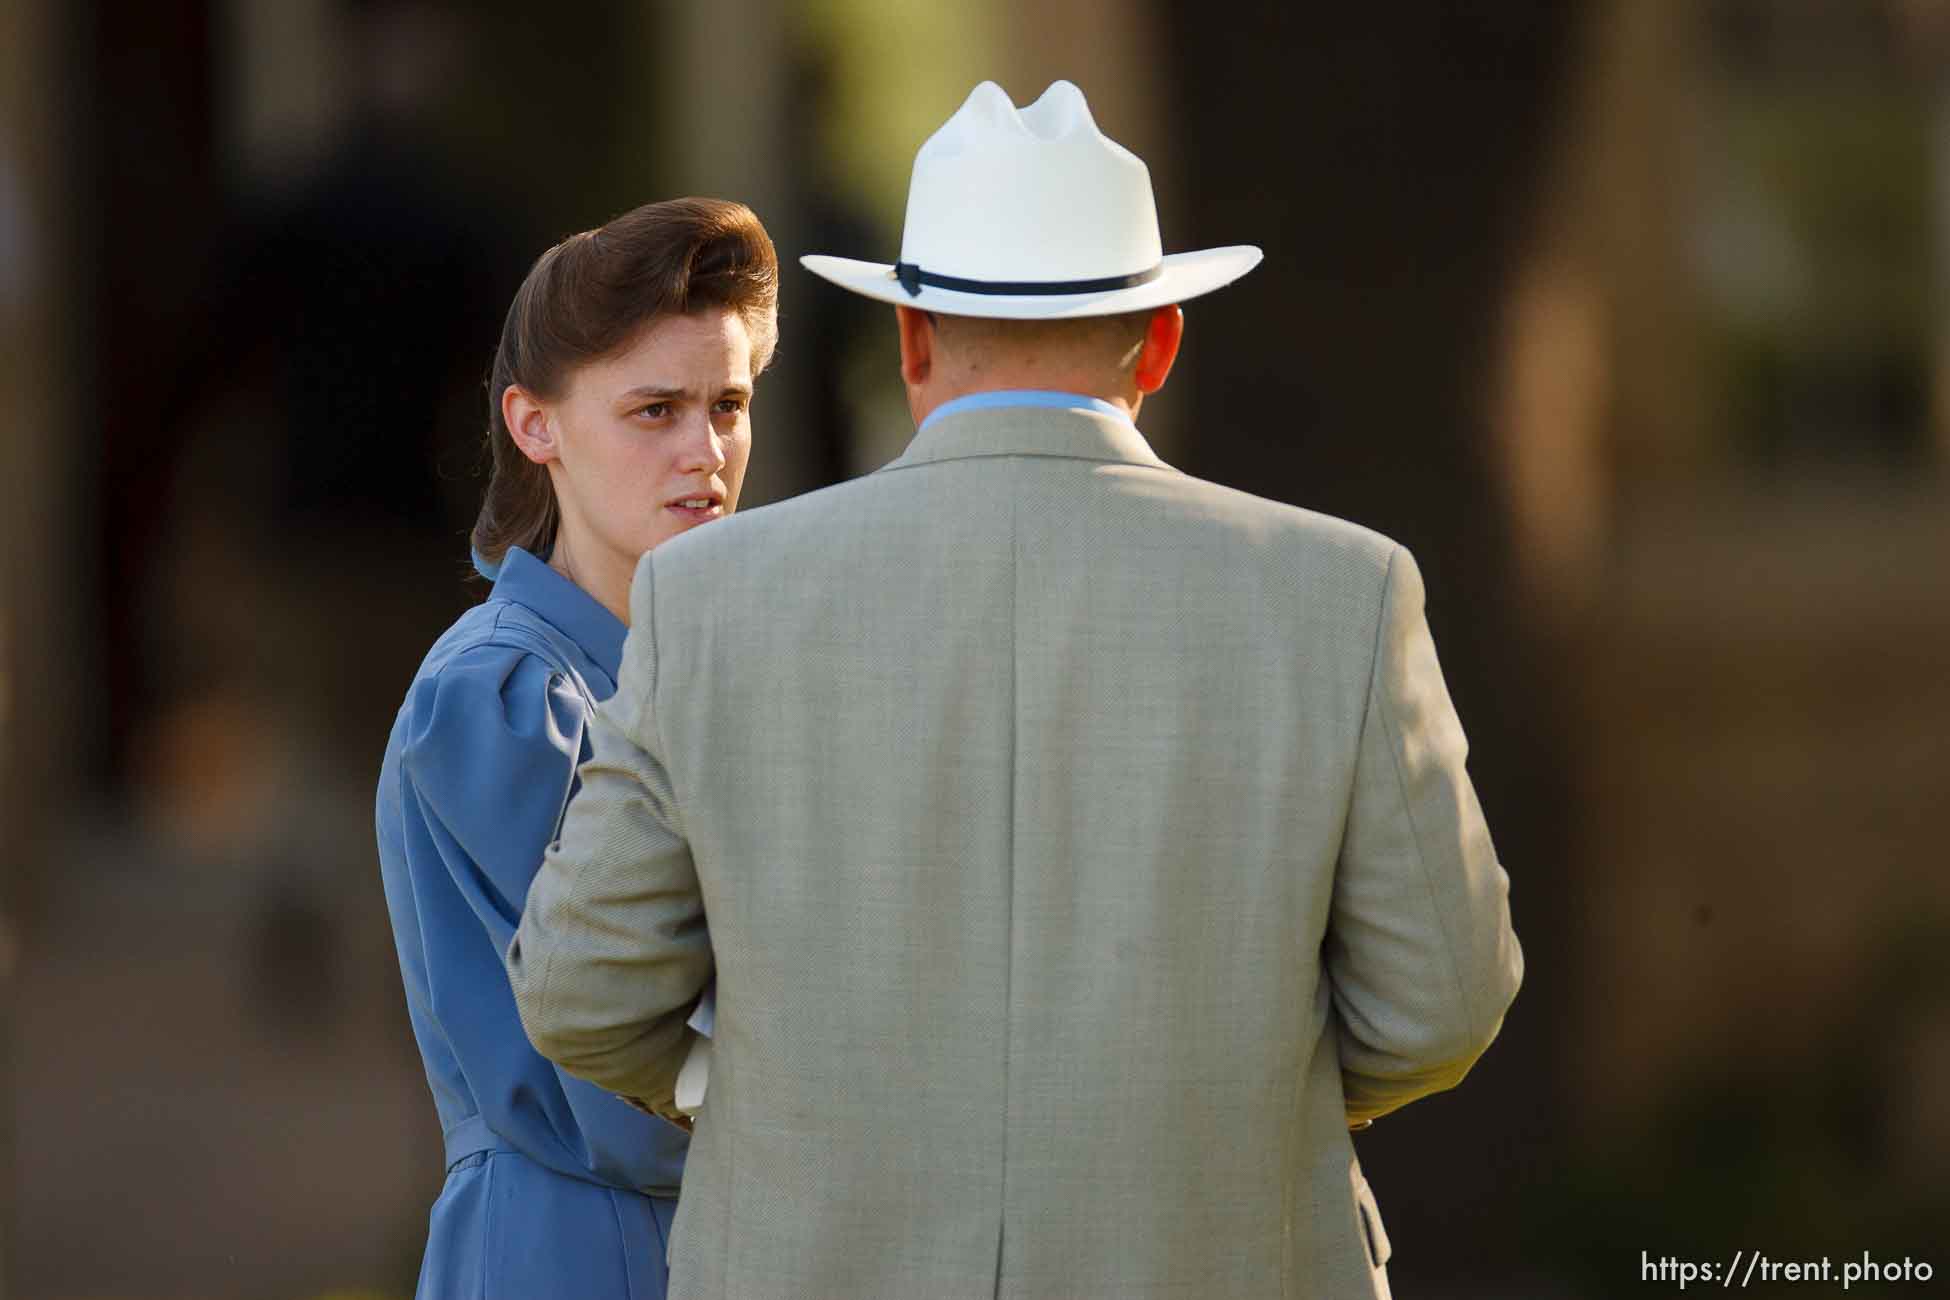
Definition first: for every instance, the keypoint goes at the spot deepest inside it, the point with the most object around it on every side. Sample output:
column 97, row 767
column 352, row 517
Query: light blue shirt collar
column 1026, row 397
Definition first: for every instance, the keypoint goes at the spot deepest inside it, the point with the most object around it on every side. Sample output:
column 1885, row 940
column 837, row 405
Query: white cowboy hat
column 1032, row 215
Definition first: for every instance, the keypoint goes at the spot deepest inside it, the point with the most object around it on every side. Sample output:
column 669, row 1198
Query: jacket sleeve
column 489, row 763
column 613, row 951
column 1419, row 947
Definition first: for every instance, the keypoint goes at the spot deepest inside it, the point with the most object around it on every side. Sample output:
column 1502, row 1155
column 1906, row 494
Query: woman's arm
column 489, row 764
column 614, row 950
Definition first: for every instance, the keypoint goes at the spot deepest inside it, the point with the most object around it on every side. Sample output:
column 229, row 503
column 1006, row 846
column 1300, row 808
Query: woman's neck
column 595, row 569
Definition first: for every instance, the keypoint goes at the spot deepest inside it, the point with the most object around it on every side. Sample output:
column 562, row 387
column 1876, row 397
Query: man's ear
column 917, row 344
column 1162, row 335
column 528, row 424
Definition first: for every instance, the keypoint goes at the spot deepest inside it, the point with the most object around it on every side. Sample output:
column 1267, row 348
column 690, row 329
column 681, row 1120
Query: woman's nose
column 703, row 450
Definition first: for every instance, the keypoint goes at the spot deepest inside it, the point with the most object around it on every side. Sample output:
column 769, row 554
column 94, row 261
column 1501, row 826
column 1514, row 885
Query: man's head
column 1119, row 358
column 1031, row 258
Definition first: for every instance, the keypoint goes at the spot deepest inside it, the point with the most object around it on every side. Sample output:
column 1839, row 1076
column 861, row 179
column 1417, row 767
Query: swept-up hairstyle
column 586, row 298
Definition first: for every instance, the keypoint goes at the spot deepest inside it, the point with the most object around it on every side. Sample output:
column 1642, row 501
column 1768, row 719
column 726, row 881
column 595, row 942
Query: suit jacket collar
column 1067, row 432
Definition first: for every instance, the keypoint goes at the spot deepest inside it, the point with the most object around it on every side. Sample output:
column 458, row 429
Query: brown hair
column 587, row 297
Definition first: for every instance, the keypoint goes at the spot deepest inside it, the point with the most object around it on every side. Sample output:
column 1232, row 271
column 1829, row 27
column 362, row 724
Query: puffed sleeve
column 490, row 762
column 491, row 757
column 1419, row 948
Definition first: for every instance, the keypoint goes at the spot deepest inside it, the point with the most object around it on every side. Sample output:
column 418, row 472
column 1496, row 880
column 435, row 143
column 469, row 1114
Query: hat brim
column 1185, row 276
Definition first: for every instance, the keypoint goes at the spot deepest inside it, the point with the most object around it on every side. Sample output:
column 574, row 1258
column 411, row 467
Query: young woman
column 618, row 413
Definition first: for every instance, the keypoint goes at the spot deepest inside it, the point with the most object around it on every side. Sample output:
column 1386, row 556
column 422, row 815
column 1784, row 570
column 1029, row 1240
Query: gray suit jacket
column 1084, row 847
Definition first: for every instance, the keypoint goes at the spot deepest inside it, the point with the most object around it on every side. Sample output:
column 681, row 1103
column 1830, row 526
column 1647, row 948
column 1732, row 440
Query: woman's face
column 653, row 439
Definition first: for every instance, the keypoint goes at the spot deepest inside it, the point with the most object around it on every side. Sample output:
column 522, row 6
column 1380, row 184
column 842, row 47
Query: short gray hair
column 1117, row 339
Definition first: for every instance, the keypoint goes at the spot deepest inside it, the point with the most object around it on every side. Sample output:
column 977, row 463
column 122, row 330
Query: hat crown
column 1033, row 194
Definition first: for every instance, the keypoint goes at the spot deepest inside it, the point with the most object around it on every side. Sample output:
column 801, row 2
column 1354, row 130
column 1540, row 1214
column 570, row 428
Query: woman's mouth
column 696, row 510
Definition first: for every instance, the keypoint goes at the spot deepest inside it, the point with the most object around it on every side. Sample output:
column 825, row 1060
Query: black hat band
column 913, row 277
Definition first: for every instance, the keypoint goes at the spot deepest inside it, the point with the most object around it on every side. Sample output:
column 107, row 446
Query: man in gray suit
column 1086, row 848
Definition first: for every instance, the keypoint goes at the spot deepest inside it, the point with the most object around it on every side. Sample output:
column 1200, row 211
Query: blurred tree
column 1815, row 237
column 1388, row 159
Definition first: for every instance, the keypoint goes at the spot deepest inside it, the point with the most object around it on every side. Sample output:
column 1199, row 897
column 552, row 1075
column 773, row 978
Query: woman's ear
column 528, row 424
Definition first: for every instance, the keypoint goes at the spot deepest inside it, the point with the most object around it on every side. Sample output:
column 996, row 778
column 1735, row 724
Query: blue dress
column 554, row 1187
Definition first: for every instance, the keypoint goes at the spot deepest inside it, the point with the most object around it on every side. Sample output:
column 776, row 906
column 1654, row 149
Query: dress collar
column 527, row 581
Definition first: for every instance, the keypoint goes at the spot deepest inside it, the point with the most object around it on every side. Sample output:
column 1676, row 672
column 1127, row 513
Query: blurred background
column 1627, row 316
